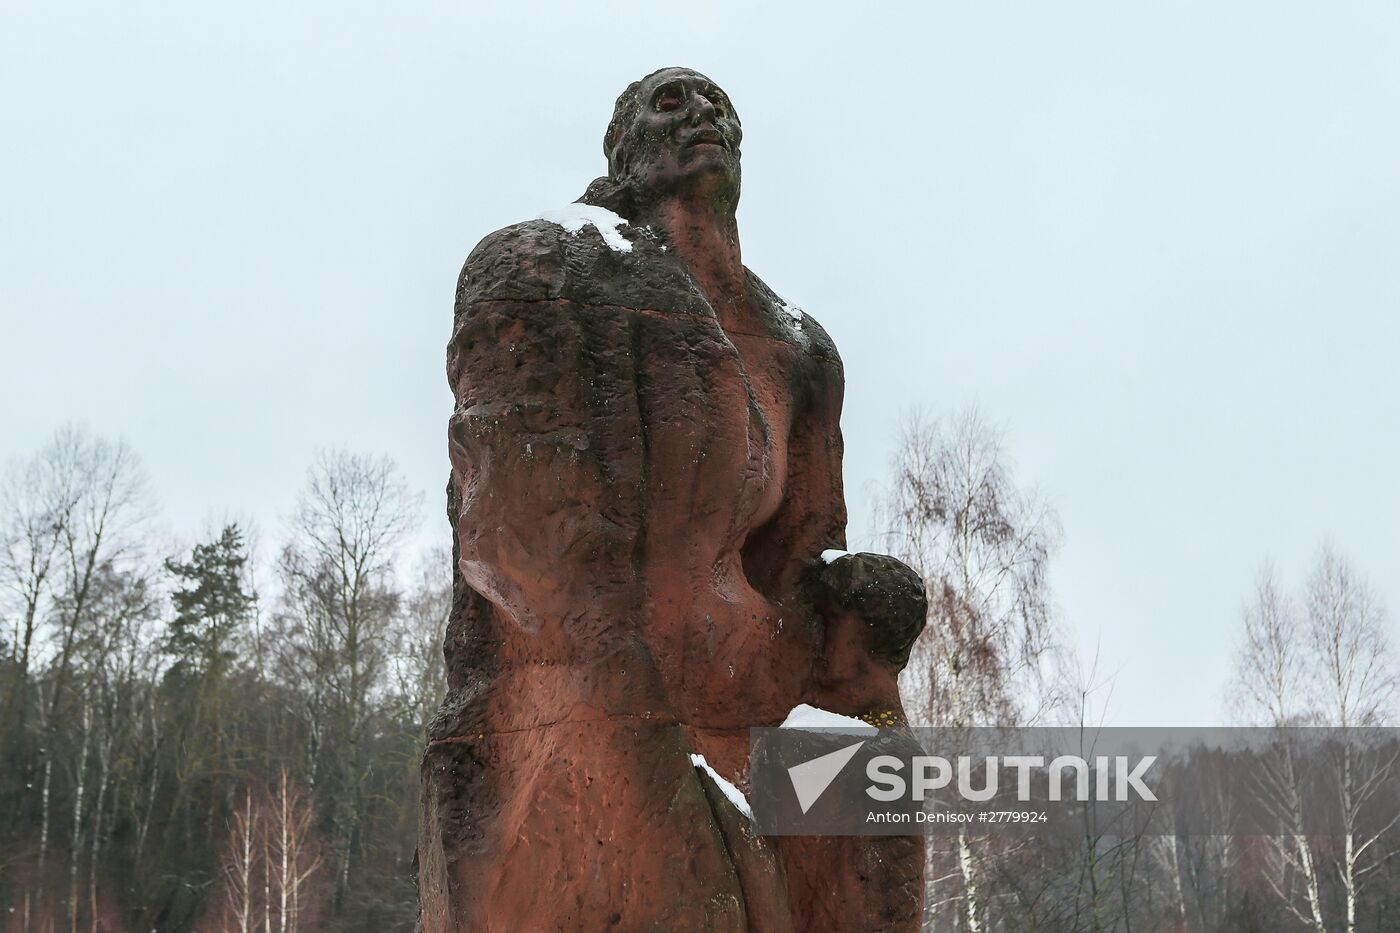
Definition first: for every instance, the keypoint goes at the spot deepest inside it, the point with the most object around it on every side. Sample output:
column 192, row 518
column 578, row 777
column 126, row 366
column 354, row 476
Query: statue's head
column 674, row 132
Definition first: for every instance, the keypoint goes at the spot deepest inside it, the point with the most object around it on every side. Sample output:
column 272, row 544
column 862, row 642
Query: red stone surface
column 646, row 466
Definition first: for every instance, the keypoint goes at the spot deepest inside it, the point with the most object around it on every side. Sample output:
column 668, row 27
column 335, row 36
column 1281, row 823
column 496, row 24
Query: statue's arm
column 868, row 602
column 541, row 440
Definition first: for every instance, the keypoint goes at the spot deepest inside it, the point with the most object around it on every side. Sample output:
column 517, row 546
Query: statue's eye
column 669, row 99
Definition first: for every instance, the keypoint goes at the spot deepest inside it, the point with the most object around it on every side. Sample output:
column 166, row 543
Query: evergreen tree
column 210, row 607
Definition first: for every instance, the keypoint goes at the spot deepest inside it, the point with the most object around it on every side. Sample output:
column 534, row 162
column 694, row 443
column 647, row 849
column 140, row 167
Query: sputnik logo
column 811, row 778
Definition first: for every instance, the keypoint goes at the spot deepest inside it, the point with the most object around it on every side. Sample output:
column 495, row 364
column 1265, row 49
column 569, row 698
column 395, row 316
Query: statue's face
column 684, row 137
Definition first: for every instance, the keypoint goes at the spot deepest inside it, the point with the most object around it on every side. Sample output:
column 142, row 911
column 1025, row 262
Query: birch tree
column 1328, row 663
column 240, row 866
column 1271, row 689
column 269, row 862
column 952, row 511
column 1356, row 687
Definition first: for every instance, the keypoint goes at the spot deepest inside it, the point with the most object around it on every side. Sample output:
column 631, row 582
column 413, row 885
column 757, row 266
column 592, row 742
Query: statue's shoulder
column 788, row 318
column 522, row 262
column 580, row 253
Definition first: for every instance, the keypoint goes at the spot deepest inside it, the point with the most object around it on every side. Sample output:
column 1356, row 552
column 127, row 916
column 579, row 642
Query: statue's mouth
column 707, row 138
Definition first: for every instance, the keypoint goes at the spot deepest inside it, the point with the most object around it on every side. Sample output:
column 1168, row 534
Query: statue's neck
column 705, row 238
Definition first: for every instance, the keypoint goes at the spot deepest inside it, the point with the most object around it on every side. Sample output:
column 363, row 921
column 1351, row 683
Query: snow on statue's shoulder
column 831, row 555
column 574, row 217
column 804, row 716
column 793, row 311
column 734, row 794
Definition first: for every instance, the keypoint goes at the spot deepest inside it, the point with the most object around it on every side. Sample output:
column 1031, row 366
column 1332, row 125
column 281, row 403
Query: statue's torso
column 640, row 491
column 696, row 424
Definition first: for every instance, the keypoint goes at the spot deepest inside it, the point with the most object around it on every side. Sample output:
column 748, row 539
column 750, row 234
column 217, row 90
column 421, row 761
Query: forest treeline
column 181, row 749
column 188, row 745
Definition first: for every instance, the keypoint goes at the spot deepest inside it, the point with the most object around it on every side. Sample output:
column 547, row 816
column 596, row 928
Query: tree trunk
column 76, row 849
column 971, row 893
column 103, row 757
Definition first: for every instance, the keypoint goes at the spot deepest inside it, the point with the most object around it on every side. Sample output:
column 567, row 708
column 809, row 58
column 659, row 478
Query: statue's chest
column 716, row 409
column 715, row 404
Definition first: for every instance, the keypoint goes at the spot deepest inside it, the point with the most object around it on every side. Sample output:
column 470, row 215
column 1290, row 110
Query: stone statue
column 646, row 470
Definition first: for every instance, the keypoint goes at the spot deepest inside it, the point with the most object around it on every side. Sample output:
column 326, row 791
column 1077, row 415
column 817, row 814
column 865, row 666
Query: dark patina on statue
column 646, row 469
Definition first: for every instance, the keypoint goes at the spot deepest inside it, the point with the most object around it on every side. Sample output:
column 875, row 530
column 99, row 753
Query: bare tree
column 72, row 519
column 340, row 602
column 240, row 864
column 1271, row 687
column 1330, row 665
column 37, row 503
column 954, row 514
column 291, row 856
column 1356, row 687
column 270, row 857
column 100, row 535
column 118, row 664
column 419, row 677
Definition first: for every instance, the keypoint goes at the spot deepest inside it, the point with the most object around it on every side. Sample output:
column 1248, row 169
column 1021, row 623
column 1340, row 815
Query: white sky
column 1156, row 243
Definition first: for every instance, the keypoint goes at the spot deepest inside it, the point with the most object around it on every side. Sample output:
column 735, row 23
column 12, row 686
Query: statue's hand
column 885, row 593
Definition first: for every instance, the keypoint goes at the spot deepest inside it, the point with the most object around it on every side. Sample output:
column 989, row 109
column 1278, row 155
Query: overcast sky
column 1157, row 244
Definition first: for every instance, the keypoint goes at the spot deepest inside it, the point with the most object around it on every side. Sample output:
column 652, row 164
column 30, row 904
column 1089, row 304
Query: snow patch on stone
column 832, row 555
column 732, row 793
column 792, row 311
column 804, row 716
column 574, row 217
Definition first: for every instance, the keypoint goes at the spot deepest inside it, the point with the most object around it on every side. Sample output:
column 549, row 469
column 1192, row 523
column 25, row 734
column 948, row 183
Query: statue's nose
column 702, row 110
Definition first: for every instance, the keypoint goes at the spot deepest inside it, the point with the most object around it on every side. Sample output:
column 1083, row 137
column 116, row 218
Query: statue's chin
column 705, row 181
